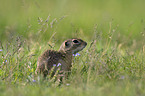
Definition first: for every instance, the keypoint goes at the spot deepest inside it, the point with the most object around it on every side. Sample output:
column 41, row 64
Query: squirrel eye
column 75, row 41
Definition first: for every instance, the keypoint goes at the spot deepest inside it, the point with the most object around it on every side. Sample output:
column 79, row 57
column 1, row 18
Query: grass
column 98, row 70
column 111, row 64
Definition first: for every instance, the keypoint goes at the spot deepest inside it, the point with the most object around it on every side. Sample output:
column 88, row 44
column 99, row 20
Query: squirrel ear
column 66, row 43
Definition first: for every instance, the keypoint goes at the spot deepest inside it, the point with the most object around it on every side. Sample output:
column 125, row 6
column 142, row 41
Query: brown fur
column 64, row 56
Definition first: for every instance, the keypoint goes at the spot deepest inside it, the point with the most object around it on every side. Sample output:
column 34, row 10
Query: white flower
column 59, row 64
column 67, row 84
column 1, row 50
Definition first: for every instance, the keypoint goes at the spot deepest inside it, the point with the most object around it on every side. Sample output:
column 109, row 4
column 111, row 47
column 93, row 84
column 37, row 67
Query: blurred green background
column 123, row 17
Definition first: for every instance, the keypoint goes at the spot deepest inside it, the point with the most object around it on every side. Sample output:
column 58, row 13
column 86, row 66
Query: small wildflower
column 67, row 84
column 59, row 64
column 28, row 66
column 122, row 77
column 30, row 63
column 34, row 80
column 77, row 54
column 54, row 64
column 5, row 61
column 1, row 50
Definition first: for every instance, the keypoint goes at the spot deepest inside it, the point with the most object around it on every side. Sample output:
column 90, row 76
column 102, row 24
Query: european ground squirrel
column 63, row 57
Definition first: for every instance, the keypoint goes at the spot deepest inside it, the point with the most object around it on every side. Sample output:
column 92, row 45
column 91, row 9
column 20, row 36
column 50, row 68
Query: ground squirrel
column 63, row 57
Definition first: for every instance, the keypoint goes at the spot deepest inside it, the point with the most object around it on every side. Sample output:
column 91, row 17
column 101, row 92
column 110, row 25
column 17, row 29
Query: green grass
column 111, row 64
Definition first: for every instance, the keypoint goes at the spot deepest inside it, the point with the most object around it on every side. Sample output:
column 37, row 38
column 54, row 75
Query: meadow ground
column 112, row 63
